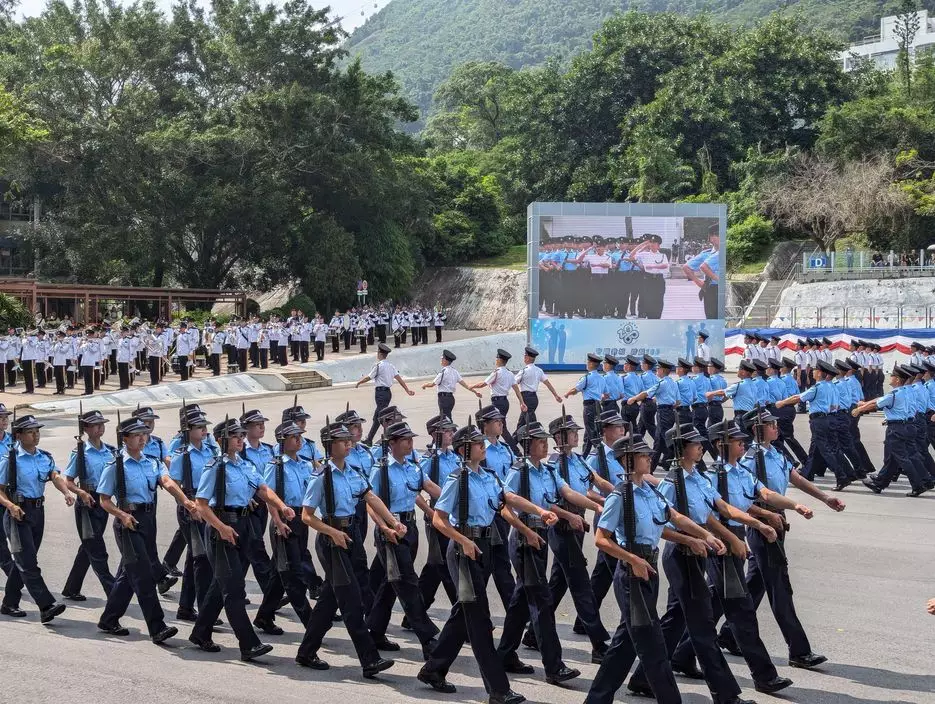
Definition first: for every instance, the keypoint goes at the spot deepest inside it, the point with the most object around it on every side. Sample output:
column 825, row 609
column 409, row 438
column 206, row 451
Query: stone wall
column 476, row 299
column 866, row 292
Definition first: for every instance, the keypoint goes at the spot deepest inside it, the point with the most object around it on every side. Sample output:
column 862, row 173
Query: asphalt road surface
column 861, row 581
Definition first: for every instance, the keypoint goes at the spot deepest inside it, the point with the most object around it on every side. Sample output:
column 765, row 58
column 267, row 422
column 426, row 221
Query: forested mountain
column 421, row 41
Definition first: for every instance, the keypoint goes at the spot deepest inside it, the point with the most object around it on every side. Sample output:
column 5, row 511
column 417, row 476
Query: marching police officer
column 92, row 552
column 127, row 491
column 665, row 393
column 500, row 381
column 383, row 375
column 469, row 539
column 24, row 470
column 528, row 379
column 591, row 386
column 613, row 385
column 446, row 381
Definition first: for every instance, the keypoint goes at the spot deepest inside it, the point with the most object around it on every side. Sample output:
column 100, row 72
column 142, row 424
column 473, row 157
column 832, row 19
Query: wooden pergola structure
column 85, row 300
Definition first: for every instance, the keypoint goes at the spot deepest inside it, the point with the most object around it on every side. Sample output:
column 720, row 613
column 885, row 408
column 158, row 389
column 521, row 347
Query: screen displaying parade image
column 629, row 267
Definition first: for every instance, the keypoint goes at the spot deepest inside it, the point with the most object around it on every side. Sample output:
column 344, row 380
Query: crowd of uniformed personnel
column 493, row 506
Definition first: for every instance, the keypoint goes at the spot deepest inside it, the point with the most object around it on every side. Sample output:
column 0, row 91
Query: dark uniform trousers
column 823, row 450
column 406, row 589
column 6, row 559
column 11, row 372
column 196, row 573
column 602, row 576
column 647, row 424
column 242, row 358
column 531, row 399
column 214, row 362
column 570, row 572
column 665, row 419
column 591, row 436
column 347, row 598
column 92, row 552
column 254, row 354
column 183, row 367
column 434, row 575
column 842, row 424
column 715, row 412
column 741, row 615
column 123, row 373
column 287, row 579
column 227, row 589
column 502, row 404
column 294, row 349
column 922, row 440
column 699, row 419
column 628, row 642
column 274, row 351
column 28, row 370
column 176, row 548
column 610, row 405
column 530, row 602
column 786, row 416
column 768, row 573
column 500, row 567
column 336, row 343
column 446, row 403
column 689, row 606
column 136, row 577
column 471, row 619
column 26, row 570
column 257, row 557
column 865, row 460
column 155, row 365
column 381, row 396
column 900, row 453
column 40, row 374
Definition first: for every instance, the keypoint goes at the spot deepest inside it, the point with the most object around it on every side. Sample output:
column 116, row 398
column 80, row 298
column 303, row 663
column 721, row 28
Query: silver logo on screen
column 628, row 333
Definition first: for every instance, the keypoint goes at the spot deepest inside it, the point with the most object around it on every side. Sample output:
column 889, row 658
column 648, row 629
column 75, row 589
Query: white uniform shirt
column 500, row 381
column 447, row 379
column 530, row 377
column 383, row 373
column 703, row 351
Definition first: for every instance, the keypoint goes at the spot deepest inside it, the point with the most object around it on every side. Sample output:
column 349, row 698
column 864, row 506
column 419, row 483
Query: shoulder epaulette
column 267, row 445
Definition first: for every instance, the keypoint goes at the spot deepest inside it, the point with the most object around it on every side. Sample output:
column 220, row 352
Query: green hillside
column 421, row 40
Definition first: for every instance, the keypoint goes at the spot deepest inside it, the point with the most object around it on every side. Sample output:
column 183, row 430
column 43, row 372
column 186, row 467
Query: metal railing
column 889, row 317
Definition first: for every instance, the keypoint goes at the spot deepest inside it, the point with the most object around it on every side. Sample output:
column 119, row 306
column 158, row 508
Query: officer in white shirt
column 528, row 380
column 320, row 330
column 42, row 356
column 383, row 375
column 773, row 351
column 500, row 381
column 183, row 350
column 125, row 353
column 218, row 340
column 30, row 352
column 262, row 343
column 702, row 350
column 654, row 264
column 5, row 351
column 242, row 343
column 446, row 380
column 61, row 349
column 90, row 361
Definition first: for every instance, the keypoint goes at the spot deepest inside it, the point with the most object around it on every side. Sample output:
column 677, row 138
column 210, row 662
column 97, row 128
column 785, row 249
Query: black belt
column 531, row 393
column 590, row 402
column 31, row 503
column 140, row 508
column 238, row 511
column 405, row 516
column 445, row 393
column 340, row 521
column 534, row 522
column 665, row 405
column 647, row 552
column 492, row 398
column 900, row 422
column 476, row 532
column 818, row 415
column 715, row 403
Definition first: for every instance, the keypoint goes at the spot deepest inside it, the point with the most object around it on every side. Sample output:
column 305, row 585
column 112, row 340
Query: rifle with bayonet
column 639, row 611
column 390, row 562
column 732, row 586
column 435, row 556
column 86, row 529
column 127, row 549
column 466, row 593
column 339, row 574
column 602, row 467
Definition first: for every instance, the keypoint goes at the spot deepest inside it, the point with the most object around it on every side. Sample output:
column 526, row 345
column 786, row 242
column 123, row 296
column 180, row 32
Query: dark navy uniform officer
column 127, row 491
column 22, row 494
column 225, row 491
column 499, row 459
column 539, row 483
column 333, row 492
column 592, row 388
column 689, row 603
column 636, row 559
column 92, row 552
column 400, row 487
column 469, row 539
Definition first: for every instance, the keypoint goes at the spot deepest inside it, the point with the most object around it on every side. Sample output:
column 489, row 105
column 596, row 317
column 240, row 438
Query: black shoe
column 518, row 667
column 508, row 697
column 51, row 612
column 165, row 634
column 13, row 611
column 918, row 492
column 384, row 643
column 268, row 626
column 171, row 571
column 115, row 630
column 429, row 648
column 189, row 615
column 283, row 603
column 206, row 644
column 579, row 629
column 640, row 690
column 74, row 596
column 690, row 671
column 807, row 661
column 405, row 623
column 314, row 593
column 378, row 666
column 738, row 700
column 247, row 602
column 843, row 484
column 312, row 661
column 872, row 485
column 597, row 654
column 725, row 641
column 773, row 685
column 337, row 618
column 563, row 675
column 436, row 681
column 166, row 583
column 529, row 640
column 255, row 652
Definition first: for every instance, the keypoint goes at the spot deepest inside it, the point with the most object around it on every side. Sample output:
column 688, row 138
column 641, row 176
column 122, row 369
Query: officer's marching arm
column 604, row 540
column 864, row 407
column 738, row 547
column 777, row 500
column 803, row 484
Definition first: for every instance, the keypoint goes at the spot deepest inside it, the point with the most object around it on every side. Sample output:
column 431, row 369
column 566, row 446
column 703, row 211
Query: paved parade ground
column 861, row 582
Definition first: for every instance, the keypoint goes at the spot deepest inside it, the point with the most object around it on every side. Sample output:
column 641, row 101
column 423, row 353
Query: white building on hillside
column 883, row 48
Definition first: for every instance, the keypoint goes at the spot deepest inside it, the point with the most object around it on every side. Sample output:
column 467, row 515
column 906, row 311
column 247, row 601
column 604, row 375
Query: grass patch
column 513, row 258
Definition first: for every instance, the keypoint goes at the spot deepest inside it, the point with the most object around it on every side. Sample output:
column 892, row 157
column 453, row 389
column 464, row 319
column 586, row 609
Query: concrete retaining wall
column 476, row 299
